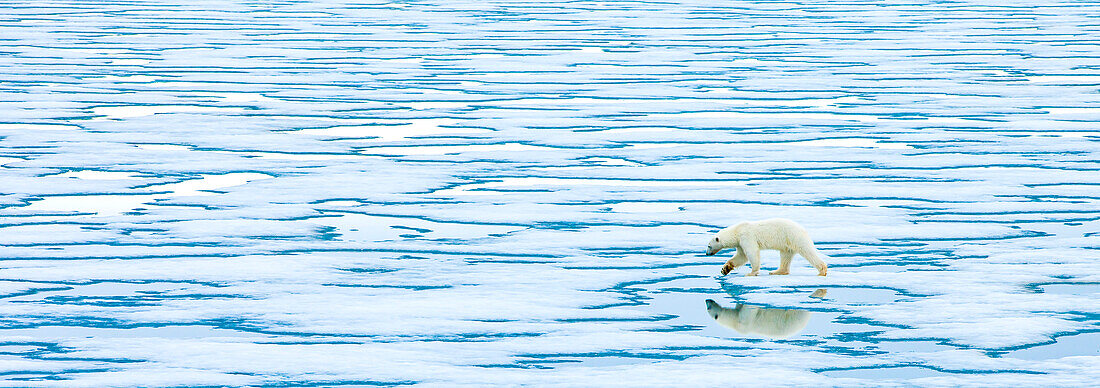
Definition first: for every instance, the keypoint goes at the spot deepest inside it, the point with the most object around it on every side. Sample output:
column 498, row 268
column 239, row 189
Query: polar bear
column 779, row 234
column 753, row 320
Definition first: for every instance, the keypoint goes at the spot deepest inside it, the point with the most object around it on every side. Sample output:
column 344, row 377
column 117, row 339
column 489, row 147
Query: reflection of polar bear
column 746, row 319
column 779, row 234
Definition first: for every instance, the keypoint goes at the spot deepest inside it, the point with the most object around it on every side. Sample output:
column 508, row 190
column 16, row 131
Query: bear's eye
column 716, row 239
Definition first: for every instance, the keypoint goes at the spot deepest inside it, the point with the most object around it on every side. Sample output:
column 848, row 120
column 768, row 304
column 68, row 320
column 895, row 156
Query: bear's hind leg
column 752, row 251
column 784, row 263
column 815, row 260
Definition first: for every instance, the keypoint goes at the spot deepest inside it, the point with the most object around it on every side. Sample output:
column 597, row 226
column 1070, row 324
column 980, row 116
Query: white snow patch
column 1073, row 110
column 302, row 156
column 123, row 78
column 455, row 149
column 123, row 112
column 128, row 62
column 163, row 147
column 244, row 97
column 38, row 127
column 99, row 175
column 857, row 142
column 390, row 131
column 1084, row 79
column 428, row 105
column 115, row 204
column 575, row 182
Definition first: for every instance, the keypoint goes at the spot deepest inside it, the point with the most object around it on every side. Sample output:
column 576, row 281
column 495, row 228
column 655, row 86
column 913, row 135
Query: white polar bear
column 779, row 234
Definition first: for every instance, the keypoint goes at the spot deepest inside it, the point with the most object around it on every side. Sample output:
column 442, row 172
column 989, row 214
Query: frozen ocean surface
column 446, row 193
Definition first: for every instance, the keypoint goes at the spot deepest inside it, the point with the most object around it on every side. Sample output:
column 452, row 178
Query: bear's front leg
column 737, row 261
column 726, row 269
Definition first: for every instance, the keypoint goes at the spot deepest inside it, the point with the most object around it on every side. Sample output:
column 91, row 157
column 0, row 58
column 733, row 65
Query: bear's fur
column 753, row 320
column 778, row 234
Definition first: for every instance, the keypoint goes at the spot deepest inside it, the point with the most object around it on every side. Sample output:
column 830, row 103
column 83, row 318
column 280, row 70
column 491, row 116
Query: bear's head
column 714, row 245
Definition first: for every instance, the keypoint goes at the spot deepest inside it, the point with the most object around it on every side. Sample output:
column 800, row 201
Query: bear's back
column 777, row 233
